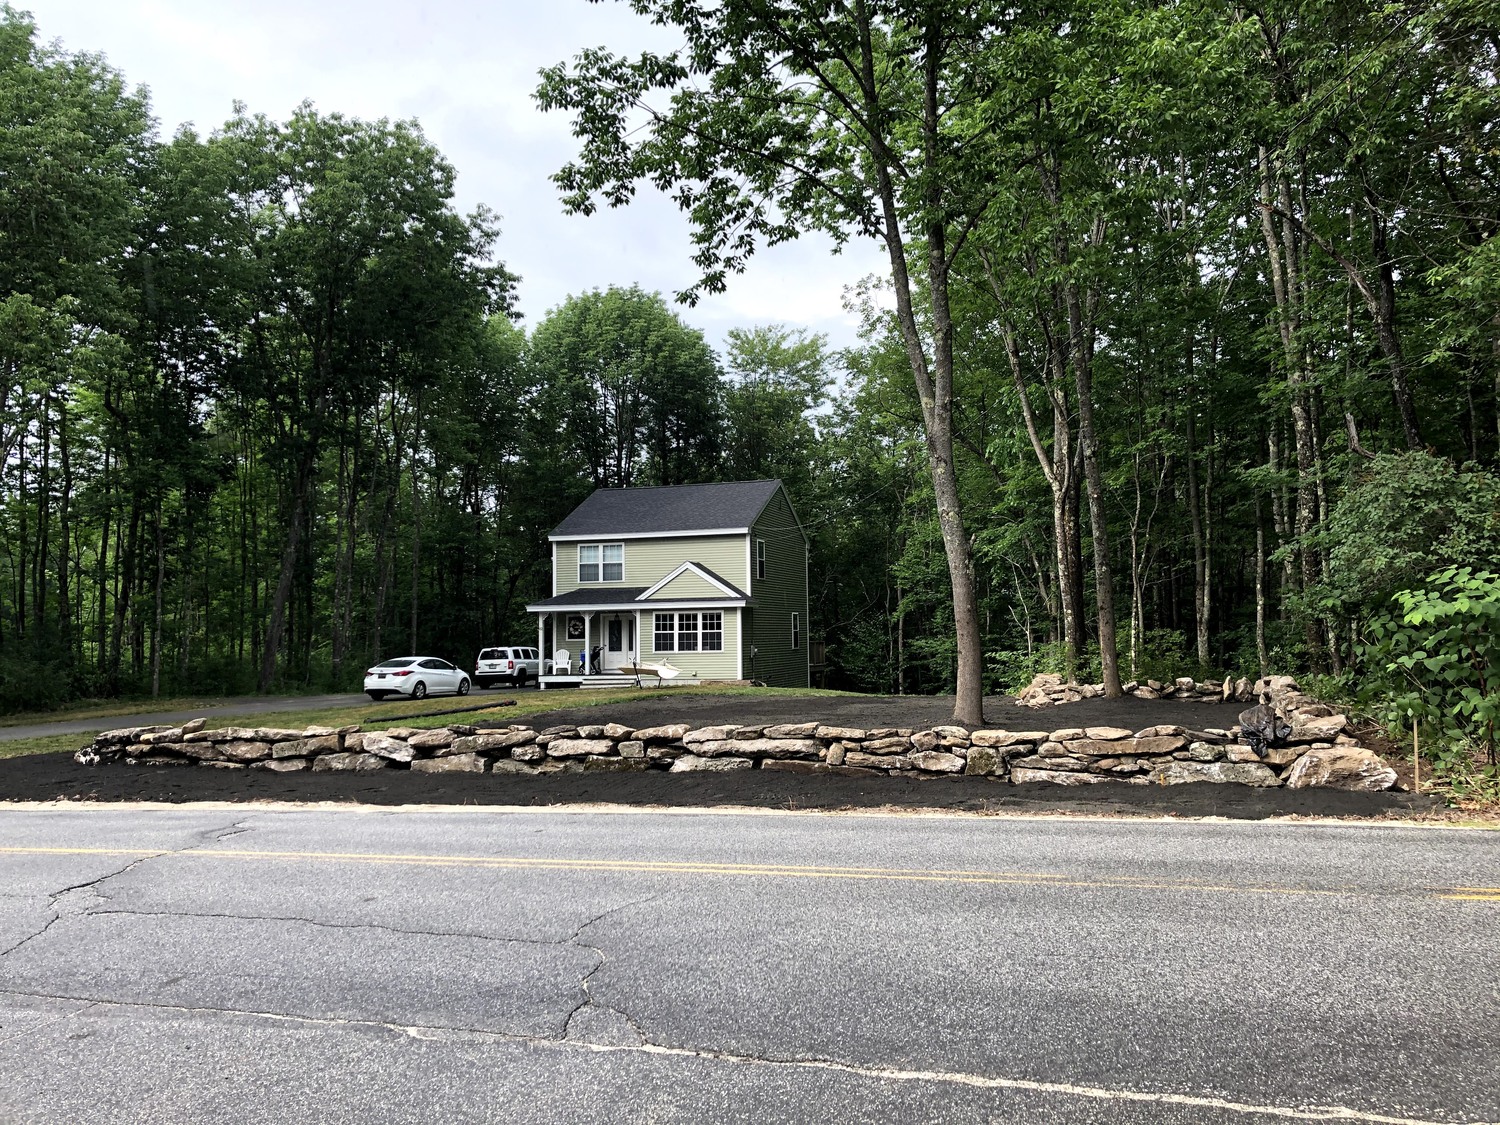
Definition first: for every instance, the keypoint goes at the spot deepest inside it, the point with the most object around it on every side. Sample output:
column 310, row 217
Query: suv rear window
column 491, row 654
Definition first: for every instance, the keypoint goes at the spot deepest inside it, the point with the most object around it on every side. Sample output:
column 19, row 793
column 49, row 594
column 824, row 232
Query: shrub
column 1438, row 661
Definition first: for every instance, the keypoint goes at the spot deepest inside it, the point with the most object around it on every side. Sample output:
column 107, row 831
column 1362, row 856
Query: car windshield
column 490, row 654
column 400, row 662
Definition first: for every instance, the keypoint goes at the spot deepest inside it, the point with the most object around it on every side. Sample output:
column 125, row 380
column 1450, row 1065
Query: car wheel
column 463, row 686
column 377, row 696
column 521, row 678
column 482, row 683
column 419, row 690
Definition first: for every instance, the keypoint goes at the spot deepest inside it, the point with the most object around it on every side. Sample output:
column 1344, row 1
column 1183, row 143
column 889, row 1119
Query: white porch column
column 640, row 648
column 541, row 640
column 588, row 635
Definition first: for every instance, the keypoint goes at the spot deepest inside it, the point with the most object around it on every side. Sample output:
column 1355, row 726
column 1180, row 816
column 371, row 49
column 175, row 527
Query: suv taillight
column 510, row 664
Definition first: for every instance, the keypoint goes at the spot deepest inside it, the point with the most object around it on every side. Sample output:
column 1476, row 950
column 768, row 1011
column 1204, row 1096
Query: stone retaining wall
column 1319, row 752
column 1048, row 690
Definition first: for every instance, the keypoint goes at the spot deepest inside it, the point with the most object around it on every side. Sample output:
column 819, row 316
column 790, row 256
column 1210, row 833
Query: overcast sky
column 466, row 70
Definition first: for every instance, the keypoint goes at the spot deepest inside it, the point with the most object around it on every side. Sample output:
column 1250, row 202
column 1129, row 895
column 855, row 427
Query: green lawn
column 378, row 716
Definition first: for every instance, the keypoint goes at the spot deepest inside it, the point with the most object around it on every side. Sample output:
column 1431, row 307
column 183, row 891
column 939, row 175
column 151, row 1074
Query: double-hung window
column 796, row 630
column 601, row 562
column 760, row 558
column 688, row 632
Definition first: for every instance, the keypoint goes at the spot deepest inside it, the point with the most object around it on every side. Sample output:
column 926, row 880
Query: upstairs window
column 601, row 562
column 760, row 558
column 796, row 630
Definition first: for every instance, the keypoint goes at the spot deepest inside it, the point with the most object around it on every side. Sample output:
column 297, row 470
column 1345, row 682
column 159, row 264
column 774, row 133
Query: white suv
column 507, row 665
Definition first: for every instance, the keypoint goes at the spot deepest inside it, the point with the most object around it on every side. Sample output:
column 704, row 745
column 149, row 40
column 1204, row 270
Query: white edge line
column 353, row 808
column 887, row 1074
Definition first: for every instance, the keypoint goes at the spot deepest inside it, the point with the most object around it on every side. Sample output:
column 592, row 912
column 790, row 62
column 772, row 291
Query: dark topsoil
column 48, row 777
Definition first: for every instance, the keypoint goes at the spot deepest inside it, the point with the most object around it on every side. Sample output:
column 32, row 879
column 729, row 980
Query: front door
column 619, row 640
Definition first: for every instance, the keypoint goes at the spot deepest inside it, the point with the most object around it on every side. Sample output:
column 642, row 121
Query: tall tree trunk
column 1261, row 656
column 276, row 623
column 161, row 572
column 1196, row 504
column 934, row 382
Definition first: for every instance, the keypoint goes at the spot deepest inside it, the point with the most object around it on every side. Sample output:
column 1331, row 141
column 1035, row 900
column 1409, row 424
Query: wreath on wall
column 575, row 628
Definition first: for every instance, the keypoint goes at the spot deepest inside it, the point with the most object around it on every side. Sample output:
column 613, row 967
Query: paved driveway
column 545, row 966
column 247, row 705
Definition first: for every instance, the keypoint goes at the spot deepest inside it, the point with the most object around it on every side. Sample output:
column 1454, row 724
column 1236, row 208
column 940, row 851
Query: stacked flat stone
column 1048, row 690
column 1321, row 752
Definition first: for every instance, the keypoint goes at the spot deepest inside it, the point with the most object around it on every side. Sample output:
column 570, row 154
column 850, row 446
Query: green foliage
column 629, row 393
column 1405, row 516
column 1438, row 660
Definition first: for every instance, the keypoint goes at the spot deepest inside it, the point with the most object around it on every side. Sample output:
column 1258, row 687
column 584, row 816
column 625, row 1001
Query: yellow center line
column 775, row 871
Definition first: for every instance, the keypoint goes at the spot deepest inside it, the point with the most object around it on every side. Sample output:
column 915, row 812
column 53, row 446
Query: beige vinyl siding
column 701, row 665
column 648, row 561
column 781, row 593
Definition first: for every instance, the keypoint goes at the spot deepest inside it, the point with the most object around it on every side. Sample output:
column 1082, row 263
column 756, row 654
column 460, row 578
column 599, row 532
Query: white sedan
column 415, row 676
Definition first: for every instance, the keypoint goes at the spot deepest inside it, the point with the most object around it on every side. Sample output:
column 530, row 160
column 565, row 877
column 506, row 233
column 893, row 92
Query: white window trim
column 760, row 558
column 601, row 580
column 677, row 630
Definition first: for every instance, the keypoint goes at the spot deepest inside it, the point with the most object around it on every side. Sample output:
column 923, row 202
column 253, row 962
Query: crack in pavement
column 552, row 942
column 56, row 900
column 588, row 1001
column 439, row 1033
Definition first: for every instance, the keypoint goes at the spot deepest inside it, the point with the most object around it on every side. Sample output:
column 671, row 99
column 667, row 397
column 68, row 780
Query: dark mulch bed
column 49, row 777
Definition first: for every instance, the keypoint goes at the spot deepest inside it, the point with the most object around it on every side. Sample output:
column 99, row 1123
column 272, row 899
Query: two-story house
column 709, row 578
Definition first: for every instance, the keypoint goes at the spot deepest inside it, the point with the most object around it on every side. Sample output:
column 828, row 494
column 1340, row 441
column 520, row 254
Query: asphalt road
column 545, row 966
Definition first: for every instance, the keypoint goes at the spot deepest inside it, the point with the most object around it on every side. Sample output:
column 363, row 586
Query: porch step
column 604, row 680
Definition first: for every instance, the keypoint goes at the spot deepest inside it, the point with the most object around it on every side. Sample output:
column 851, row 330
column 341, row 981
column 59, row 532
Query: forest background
column 1223, row 339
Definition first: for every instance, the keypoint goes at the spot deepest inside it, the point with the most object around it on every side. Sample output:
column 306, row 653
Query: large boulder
column 579, row 747
column 1232, row 773
column 671, row 732
column 936, row 761
column 358, row 763
column 1026, row 776
column 307, row 747
column 1008, row 737
column 691, row 763
column 492, row 743
column 451, row 763
column 760, row 747
column 396, row 749
column 1341, row 767
column 244, row 751
column 985, row 761
column 708, row 734
column 1317, row 728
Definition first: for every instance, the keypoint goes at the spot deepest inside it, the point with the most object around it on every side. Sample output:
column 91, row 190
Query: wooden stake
column 1416, row 760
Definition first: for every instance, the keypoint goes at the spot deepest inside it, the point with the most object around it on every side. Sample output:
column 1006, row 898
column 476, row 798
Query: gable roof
column 728, row 506
column 726, row 587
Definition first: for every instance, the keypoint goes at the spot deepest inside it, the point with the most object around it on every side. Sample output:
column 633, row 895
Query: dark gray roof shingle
column 682, row 507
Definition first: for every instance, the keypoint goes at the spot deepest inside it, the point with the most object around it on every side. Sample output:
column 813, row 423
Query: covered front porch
column 620, row 637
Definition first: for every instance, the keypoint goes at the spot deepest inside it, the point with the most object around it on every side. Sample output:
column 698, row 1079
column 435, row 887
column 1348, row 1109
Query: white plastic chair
column 561, row 663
